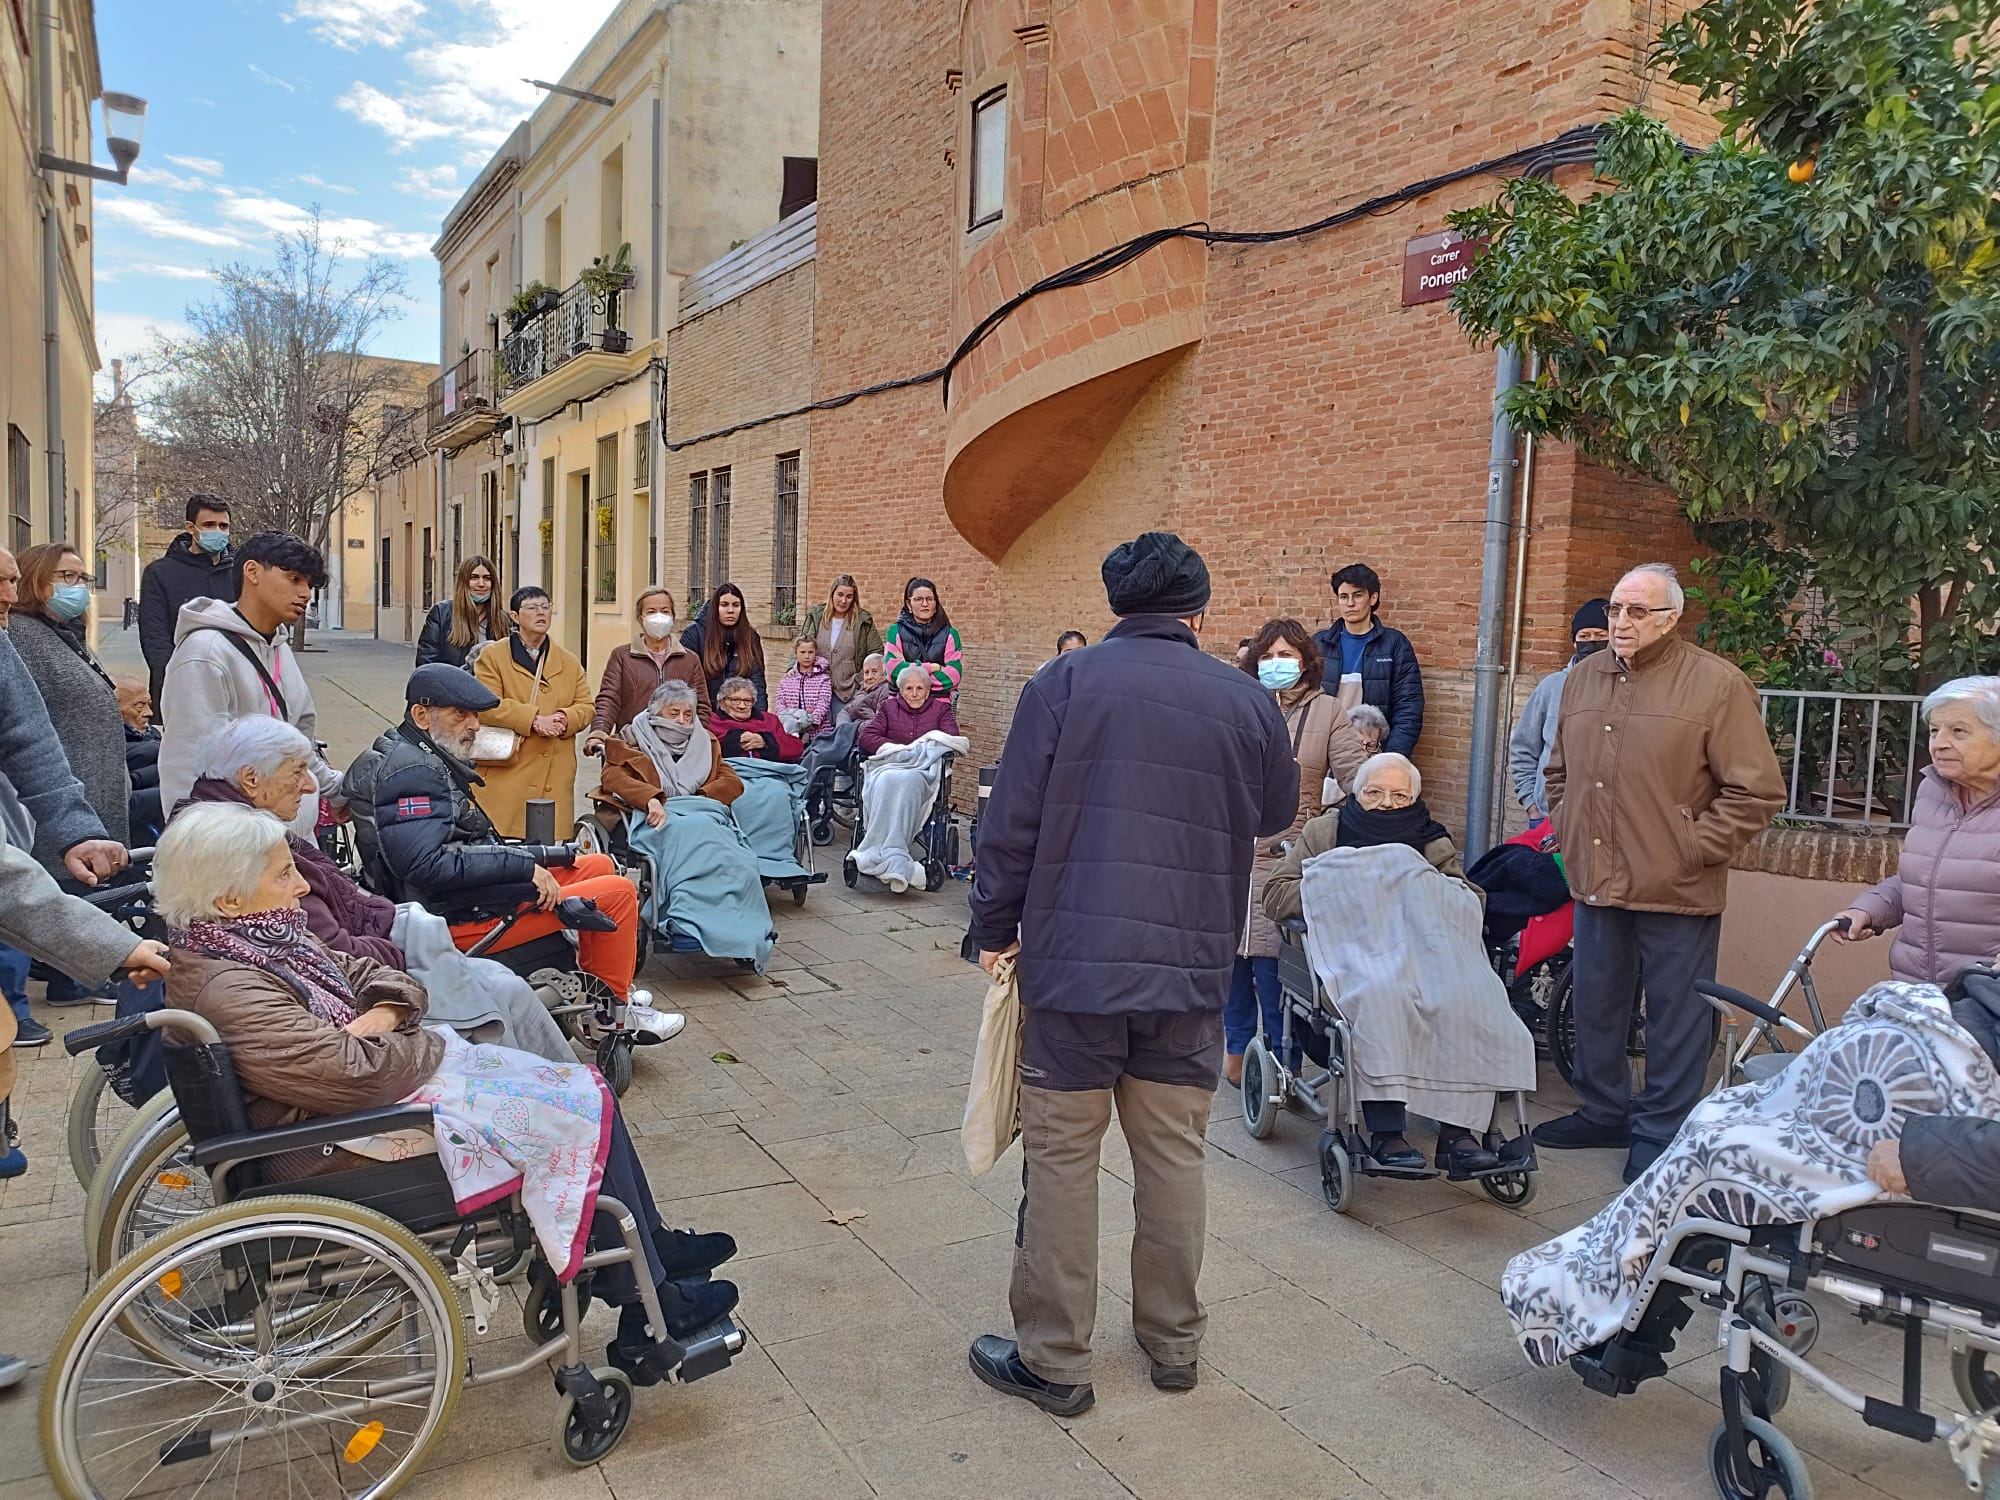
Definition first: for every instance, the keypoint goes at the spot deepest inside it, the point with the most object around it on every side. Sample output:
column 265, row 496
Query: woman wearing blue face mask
column 458, row 627
column 1286, row 660
column 50, row 627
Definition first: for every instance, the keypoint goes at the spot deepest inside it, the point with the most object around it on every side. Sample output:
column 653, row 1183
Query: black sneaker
column 997, row 1361
column 1642, row 1155
column 691, row 1306
column 28, row 1032
column 1174, row 1377
column 1578, row 1132
column 687, row 1256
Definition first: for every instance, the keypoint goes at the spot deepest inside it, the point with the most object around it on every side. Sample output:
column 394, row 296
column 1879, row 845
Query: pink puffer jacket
column 1945, row 895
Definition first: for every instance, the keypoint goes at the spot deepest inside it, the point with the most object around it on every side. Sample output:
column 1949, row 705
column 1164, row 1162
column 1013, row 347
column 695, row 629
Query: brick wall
column 1316, row 421
column 745, row 359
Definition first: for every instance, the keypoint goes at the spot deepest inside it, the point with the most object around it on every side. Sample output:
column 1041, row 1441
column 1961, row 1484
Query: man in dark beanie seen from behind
column 1114, row 860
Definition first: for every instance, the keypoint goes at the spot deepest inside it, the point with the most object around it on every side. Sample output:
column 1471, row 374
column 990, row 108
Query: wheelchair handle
column 90, row 1038
column 1725, row 995
column 141, row 856
column 550, row 854
column 110, row 897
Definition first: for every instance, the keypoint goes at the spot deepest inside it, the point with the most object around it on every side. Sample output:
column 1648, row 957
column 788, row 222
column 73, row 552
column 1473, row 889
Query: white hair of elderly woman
column 1375, row 765
column 675, row 691
column 1368, row 716
column 255, row 742
column 1980, row 694
column 208, row 853
column 872, row 659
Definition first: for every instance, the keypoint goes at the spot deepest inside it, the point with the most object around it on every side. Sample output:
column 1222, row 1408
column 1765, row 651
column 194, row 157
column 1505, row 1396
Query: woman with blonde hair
column 457, row 627
column 845, row 635
column 637, row 672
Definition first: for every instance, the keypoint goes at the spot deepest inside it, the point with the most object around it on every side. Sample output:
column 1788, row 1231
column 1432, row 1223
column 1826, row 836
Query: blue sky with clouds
column 381, row 112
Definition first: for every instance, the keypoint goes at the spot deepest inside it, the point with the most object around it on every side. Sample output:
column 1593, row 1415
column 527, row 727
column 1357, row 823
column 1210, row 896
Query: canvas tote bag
column 993, row 1101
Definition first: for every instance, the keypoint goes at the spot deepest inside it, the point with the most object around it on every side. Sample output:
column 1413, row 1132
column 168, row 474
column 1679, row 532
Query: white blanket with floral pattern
column 1784, row 1151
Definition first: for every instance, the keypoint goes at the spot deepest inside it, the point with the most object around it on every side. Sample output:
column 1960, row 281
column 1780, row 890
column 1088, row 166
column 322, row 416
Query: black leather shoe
column 691, row 1306
column 1577, row 1132
column 997, row 1361
column 1642, row 1155
column 687, row 1256
column 1175, row 1377
column 1396, row 1154
column 1461, row 1156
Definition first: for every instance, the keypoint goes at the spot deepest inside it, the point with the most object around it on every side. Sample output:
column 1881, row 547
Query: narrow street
column 813, row 1114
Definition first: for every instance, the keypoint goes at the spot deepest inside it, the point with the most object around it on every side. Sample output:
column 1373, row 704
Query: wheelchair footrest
column 1618, row 1369
column 710, row 1350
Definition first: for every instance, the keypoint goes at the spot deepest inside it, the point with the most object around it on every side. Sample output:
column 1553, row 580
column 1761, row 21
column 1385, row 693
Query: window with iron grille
column 785, row 540
column 642, row 456
column 457, row 540
column 697, row 588
column 18, row 481
column 387, row 584
column 547, row 539
column 604, row 523
column 430, row 571
column 718, row 526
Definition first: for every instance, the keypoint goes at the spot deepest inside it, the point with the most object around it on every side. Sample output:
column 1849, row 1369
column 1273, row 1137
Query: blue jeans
column 14, row 980
column 1253, row 982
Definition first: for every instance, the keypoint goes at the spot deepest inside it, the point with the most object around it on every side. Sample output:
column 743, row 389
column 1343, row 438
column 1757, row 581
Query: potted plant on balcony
column 604, row 279
column 526, row 304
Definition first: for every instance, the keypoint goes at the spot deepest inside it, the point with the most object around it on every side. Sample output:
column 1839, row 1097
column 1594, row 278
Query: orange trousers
column 612, row 956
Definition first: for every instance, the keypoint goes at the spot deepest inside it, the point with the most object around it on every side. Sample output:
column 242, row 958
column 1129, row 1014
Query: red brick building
column 1277, row 404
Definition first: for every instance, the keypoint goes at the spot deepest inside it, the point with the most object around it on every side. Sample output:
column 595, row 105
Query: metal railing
column 467, row 387
column 580, row 323
column 1850, row 759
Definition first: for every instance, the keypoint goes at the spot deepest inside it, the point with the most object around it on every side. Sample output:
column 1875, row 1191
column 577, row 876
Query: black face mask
column 1588, row 648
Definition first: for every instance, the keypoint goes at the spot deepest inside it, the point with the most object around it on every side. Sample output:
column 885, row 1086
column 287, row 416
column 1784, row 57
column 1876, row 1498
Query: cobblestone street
column 813, row 1114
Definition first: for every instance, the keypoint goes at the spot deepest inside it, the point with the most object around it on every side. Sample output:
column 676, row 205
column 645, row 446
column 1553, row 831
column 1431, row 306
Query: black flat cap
column 441, row 686
column 1156, row 574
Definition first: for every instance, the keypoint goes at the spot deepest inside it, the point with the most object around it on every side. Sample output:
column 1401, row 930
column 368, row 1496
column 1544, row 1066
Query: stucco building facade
column 1276, row 403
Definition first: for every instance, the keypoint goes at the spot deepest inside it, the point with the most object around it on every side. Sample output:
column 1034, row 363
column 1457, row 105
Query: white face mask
column 658, row 627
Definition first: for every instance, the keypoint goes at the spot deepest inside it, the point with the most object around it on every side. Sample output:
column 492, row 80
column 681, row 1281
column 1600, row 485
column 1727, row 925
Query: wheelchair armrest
column 306, row 1135
column 1293, row 930
column 90, row 1038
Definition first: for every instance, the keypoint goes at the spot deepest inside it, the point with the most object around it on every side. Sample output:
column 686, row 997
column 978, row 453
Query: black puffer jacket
column 435, row 643
column 1117, row 842
column 692, row 638
column 1954, row 1160
column 185, row 573
column 1391, row 680
column 432, row 843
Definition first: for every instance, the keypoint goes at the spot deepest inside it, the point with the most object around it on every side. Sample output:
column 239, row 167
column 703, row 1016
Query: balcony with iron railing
column 568, row 347
column 464, row 402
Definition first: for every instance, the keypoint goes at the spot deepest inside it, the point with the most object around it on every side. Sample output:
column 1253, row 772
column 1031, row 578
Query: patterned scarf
column 278, row 941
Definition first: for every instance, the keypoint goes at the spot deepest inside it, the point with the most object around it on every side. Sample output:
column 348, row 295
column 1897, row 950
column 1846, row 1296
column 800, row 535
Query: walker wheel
column 848, row 872
column 1336, row 1174
column 1978, row 1386
column 614, row 1061
column 1260, row 1110
column 1773, row 1374
column 584, row 1443
column 799, row 894
column 1776, row 1472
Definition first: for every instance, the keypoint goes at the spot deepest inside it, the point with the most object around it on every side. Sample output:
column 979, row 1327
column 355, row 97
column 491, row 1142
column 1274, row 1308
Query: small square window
column 989, row 156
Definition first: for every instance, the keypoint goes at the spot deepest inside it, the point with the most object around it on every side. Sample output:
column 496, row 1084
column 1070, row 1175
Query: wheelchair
column 834, row 787
column 936, row 840
column 1315, row 1028
column 309, row 1338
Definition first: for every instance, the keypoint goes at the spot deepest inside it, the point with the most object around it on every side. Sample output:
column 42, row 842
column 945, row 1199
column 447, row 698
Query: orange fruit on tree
column 1802, row 171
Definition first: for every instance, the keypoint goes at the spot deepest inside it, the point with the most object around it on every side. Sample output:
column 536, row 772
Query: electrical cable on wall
column 1576, row 145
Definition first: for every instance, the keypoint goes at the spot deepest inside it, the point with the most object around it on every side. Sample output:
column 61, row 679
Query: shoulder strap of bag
column 250, row 655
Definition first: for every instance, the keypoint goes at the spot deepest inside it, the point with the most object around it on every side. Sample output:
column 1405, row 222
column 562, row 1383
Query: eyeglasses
column 1638, row 614
column 1394, row 799
column 70, row 575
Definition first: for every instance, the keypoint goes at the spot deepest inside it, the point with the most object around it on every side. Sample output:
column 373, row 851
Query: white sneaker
column 650, row 1026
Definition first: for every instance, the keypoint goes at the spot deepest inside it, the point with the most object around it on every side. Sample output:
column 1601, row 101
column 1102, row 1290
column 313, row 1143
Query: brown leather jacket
column 1661, row 772
column 290, row 1063
column 631, row 780
column 631, row 678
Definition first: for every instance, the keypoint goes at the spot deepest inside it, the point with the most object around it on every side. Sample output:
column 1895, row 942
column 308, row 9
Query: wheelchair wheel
column 848, row 872
column 799, row 894
column 1560, row 1033
column 112, row 1180
column 1260, row 1110
column 116, row 1418
column 1336, row 1173
column 1978, row 1385
column 1776, row 1471
column 1510, row 1189
column 96, row 1117
column 581, row 1442
column 614, row 1061
column 935, row 875
column 158, row 1188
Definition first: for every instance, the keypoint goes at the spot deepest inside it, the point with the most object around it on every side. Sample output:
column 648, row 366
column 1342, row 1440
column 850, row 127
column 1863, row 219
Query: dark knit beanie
column 1156, row 574
column 1595, row 615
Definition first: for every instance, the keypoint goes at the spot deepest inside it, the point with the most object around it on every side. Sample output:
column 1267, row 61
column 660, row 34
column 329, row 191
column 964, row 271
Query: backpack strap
column 250, row 655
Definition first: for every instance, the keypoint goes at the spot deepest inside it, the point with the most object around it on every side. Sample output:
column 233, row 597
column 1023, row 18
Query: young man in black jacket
column 1359, row 645
column 1114, row 859
column 198, row 565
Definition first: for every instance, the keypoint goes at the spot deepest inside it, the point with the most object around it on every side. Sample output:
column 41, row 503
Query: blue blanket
column 705, row 880
column 769, row 811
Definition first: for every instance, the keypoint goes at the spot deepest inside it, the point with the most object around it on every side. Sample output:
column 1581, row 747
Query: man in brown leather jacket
column 1661, row 772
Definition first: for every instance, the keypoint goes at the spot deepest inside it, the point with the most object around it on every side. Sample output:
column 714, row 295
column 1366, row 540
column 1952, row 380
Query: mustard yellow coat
column 540, row 767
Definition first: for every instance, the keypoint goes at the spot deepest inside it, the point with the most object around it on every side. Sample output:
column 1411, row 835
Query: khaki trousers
column 1054, row 1290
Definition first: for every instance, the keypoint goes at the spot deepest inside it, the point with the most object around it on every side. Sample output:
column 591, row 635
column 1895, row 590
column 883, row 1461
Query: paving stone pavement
column 1349, row 1356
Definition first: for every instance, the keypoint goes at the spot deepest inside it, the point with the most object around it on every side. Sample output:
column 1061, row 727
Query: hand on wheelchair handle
column 547, row 892
column 146, row 962
column 95, row 860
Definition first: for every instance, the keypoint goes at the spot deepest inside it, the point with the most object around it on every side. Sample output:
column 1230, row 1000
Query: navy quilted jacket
column 1117, row 841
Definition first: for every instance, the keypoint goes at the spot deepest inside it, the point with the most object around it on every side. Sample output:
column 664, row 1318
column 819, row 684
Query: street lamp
column 124, row 126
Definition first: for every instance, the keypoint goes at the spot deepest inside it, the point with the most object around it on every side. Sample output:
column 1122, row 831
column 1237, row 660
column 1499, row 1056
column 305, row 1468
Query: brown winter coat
column 294, row 1066
column 1325, row 744
column 1661, row 772
column 631, row 780
column 540, row 767
column 631, row 678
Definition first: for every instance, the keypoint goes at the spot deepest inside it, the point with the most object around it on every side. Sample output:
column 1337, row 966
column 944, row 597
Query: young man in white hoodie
column 232, row 660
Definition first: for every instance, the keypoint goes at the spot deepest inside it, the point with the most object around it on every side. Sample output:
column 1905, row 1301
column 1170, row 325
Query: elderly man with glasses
column 1661, row 772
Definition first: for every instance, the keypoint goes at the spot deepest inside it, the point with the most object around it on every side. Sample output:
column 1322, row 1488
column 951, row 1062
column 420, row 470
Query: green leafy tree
column 1801, row 324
